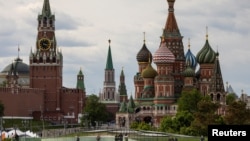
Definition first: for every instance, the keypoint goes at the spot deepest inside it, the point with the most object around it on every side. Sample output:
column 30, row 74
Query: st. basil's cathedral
column 157, row 90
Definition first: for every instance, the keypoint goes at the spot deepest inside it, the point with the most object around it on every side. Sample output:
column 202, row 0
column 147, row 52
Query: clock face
column 44, row 44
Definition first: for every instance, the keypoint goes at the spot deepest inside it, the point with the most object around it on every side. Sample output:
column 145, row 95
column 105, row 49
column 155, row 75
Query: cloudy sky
column 83, row 28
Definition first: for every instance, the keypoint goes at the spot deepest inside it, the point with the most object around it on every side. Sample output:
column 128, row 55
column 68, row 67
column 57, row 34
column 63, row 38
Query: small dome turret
column 190, row 58
column 149, row 72
column 144, row 54
column 188, row 72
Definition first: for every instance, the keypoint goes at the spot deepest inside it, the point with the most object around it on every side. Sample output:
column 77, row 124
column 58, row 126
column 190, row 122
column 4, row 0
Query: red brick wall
column 22, row 102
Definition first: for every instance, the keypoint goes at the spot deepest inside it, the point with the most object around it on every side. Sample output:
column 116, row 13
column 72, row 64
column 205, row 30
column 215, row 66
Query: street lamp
column 25, row 124
column 85, row 118
column 1, row 126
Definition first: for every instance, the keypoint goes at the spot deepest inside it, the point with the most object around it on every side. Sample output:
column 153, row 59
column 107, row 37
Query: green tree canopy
column 237, row 113
column 95, row 110
column 230, row 98
column 206, row 115
column 188, row 101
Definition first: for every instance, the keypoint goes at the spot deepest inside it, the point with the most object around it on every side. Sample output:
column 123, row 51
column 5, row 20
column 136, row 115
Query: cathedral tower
column 173, row 39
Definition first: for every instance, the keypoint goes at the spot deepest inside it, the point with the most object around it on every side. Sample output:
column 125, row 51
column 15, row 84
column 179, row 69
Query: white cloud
column 83, row 28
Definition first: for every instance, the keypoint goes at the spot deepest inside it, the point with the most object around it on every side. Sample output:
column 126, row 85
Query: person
column 126, row 137
column 202, row 138
column 98, row 138
column 77, row 138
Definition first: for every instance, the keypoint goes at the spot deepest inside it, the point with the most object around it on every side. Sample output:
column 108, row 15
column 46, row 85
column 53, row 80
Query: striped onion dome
column 163, row 54
column 206, row 54
column 190, row 58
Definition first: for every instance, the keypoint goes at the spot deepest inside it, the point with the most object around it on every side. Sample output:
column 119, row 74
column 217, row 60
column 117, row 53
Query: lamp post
column 85, row 117
column 25, row 124
column 1, row 126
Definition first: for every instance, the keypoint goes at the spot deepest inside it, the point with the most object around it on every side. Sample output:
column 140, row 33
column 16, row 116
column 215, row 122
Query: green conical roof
column 109, row 63
column 131, row 105
column 46, row 8
column 46, row 11
column 80, row 81
column 122, row 87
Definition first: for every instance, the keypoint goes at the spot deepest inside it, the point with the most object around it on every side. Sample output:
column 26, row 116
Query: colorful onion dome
column 206, row 54
column 163, row 54
column 188, row 72
column 190, row 58
column 144, row 54
column 149, row 72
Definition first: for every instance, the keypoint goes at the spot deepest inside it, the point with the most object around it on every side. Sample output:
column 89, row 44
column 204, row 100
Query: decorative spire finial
column 162, row 36
column 18, row 51
column 109, row 42
column 206, row 33
column 188, row 43
column 144, row 38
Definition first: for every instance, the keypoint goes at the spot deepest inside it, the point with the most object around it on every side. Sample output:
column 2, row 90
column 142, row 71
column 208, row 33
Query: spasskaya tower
column 46, row 61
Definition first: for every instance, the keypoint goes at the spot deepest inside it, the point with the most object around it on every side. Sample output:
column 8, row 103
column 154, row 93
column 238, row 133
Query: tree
column 206, row 115
column 237, row 113
column 94, row 110
column 166, row 124
column 177, row 123
column 188, row 101
column 230, row 98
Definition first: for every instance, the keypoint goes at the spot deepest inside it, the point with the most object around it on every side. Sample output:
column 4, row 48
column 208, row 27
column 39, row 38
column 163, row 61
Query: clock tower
column 46, row 61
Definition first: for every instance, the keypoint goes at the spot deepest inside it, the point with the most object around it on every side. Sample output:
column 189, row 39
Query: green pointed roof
column 131, row 105
column 80, row 81
column 122, row 87
column 122, row 73
column 46, row 8
column 109, row 63
column 46, row 11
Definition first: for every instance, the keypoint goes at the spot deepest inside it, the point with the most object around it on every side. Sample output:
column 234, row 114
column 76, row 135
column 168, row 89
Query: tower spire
column 46, row 9
column 171, row 27
column 109, row 63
